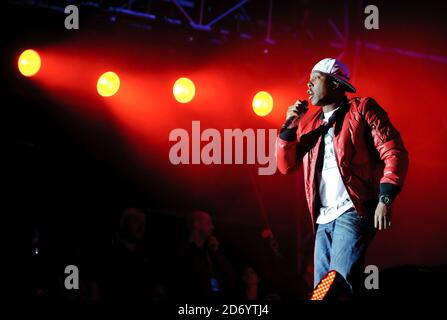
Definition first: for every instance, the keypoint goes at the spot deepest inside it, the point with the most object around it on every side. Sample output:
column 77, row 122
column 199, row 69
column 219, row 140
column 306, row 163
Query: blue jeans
column 341, row 245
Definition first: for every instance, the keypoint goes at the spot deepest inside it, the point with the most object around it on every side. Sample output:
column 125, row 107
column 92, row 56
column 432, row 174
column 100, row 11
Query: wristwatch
column 386, row 199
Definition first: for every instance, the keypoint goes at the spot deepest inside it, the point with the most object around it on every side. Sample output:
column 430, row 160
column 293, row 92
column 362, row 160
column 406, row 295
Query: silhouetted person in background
column 126, row 273
column 251, row 287
column 254, row 289
column 202, row 272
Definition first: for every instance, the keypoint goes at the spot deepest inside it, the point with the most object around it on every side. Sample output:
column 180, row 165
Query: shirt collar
column 340, row 106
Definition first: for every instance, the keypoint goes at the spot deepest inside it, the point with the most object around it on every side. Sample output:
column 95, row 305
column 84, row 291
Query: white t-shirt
column 334, row 198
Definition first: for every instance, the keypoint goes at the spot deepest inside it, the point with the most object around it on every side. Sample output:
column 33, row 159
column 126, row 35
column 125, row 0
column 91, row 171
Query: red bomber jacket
column 370, row 153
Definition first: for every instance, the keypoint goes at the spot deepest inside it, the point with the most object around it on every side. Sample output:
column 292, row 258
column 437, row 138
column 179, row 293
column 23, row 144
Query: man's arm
column 289, row 149
column 286, row 152
column 389, row 144
column 292, row 145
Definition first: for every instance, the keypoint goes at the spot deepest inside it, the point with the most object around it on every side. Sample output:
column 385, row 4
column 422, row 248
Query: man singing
column 354, row 165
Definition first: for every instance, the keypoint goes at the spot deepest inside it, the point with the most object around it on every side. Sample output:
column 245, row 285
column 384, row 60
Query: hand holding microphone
column 213, row 243
column 295, row 112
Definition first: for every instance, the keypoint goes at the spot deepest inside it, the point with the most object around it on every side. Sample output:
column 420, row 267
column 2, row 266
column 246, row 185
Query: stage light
column 262, row 103
column 184, row 90
column 29, row 63
column 108, row 84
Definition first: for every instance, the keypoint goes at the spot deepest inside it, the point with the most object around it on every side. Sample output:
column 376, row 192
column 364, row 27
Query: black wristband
column 389, row 190
column 288, row 134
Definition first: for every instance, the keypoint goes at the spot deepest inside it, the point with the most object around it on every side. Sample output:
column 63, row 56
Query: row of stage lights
column 109, row 83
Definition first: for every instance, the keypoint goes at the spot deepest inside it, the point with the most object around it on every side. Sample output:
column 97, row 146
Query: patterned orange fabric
column 323, row 287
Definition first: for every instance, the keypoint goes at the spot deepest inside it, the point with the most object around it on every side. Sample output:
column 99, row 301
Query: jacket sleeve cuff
column 389, row 189
column 288, row 134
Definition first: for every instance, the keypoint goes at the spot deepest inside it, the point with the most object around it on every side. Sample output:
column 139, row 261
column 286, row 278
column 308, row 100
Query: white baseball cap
column 336, row 69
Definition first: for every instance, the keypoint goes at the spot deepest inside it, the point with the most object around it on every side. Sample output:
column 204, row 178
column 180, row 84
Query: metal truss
column 224, row 17
column 202, row 15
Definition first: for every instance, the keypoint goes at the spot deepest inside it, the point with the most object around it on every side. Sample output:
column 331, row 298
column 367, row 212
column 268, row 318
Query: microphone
column 301, row 106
